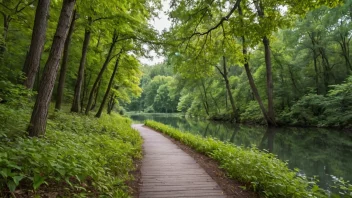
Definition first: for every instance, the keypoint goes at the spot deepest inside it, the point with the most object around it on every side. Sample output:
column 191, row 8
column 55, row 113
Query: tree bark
column 224, row 74
column 78, row 87
column 7, row 20
column 109, row 87
column 111, row 103
column 96, row 95
column 37, row 124
column 86, row 83
column 250, row 77
column 37, row 43
column 100, row 75
column 269, row 81
column 61, row 85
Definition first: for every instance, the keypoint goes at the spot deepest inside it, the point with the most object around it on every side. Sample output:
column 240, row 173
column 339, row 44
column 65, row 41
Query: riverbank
column 79, row 155
column 262, row 171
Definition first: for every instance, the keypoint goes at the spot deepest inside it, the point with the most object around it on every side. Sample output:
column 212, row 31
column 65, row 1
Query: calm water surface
column 324, row 153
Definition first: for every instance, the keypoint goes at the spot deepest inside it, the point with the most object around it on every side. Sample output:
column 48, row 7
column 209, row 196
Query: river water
column 324, row 153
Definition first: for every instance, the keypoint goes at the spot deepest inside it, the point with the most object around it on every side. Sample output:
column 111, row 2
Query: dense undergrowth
column 80, row 156
column 260, row 171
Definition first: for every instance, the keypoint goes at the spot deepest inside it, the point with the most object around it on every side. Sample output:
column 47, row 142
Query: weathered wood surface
column 167, row 171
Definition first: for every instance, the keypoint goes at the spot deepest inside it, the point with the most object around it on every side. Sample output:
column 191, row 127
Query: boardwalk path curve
column 167, row 171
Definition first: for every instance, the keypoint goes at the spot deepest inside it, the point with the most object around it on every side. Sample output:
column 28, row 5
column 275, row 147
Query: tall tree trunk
column 80, row 76
column 37, row 124
column 37, row 43
column 255, row 90
column 102, row 70
column 7, row 20
column 109, row 87
column 250, row 77
column 315, row 61
column 345, row 51
column 61, row 85
column 269, row 76
column 269, row 81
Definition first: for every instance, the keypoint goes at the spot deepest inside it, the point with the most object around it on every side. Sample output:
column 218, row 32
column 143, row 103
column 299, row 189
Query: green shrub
column 88, row 155
column 261, row 171
column 252, row 113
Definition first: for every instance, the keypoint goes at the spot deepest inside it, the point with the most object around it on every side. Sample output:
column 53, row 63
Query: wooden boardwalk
column 167, row 171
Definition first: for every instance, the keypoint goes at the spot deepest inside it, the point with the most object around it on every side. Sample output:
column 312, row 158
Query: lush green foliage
column 159, row 93
column 261, row 171
column 334, row 109
column 79, row 156
column 311, row 60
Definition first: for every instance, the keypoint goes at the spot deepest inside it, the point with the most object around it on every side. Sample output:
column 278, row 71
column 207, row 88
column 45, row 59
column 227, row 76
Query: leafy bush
column 89, row 156
column 252, row 113
column 261, row 171
column 332, row 110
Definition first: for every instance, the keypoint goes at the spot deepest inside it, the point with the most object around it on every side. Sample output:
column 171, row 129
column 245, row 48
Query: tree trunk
column 254, row 87
column 205, row 98
column 61, row 85
column 109, row 88
column 86, row 83
column 269, row 82
column 37, row 124
column 250, row 77
column 269, row 76
column 229, row 92
column 7, row 20
column 100, row 75
column 96, row 96
column 37, row 43
column 80, row 77
column 111, row 103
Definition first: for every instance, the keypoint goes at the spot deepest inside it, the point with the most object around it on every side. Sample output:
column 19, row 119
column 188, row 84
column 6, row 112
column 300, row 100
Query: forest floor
column 230, row 188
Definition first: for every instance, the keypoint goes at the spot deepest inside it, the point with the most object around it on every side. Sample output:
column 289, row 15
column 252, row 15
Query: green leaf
column 37, row 181
column 5, row 172
column 17, row 179
column 11, row 185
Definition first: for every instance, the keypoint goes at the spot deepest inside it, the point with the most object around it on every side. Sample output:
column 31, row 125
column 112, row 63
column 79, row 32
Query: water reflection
column 319, row 152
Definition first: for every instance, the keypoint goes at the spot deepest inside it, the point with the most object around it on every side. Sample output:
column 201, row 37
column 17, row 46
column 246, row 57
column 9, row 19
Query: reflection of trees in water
column 267, row 142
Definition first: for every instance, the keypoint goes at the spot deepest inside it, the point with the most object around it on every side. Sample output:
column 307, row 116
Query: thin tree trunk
column 224, row 75
column 229, row 91
column 205, row 97
column 111, row 103
column 96, row 96
column 109, row 87
column 86, row 83
column 61, row 85
column 37, row 124
column 100, row 75
column 37, row 43
column 78, row 87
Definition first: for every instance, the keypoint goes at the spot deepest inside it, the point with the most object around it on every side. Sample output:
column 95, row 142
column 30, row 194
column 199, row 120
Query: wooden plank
column 167, row 171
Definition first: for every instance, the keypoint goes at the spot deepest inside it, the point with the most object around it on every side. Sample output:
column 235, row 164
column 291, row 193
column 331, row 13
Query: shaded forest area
column 65, row 65
column 290, row 67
